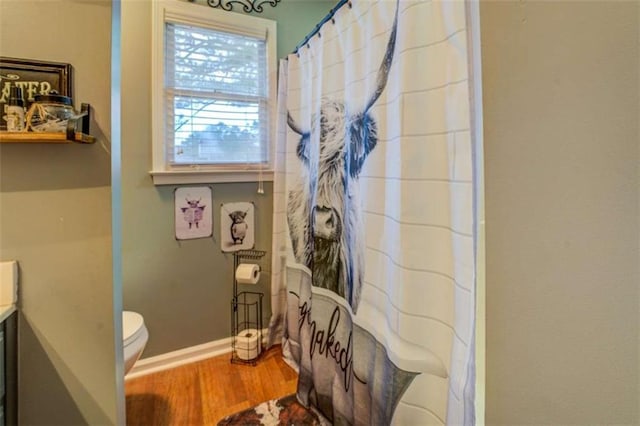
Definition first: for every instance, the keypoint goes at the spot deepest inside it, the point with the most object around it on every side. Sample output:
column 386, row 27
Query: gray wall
column 561, row 148
column 55, row 219
column 183, row 289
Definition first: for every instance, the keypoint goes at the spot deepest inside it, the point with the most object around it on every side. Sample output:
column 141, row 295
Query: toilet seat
column 132, row 327
column 134, row 337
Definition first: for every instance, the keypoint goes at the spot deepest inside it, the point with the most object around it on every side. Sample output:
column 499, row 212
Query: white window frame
column 181, row 12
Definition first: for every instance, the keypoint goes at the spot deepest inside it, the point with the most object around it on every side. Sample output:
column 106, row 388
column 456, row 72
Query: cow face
column 323, row 211
column 237, row 216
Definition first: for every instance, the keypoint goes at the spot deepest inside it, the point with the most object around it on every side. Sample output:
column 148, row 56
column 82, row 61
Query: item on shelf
column 50, row 113
column 15, row 110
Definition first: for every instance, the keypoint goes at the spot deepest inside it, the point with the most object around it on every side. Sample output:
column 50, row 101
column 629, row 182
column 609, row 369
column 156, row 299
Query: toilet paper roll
column 247, row 344
column 247, row 273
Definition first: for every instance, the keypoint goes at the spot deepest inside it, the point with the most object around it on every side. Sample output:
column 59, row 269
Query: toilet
column 135, row 336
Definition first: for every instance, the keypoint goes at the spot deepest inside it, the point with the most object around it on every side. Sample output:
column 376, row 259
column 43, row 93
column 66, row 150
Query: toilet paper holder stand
column 246, row 313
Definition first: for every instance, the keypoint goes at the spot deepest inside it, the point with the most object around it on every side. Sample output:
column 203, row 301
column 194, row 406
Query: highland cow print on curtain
column 374, row 293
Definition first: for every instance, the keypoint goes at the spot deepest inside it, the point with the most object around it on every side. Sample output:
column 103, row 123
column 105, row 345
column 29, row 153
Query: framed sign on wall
column 237, row 226
column 193, row 217
column 34, row 78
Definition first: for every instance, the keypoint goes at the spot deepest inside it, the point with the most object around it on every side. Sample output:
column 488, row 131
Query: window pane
column 209, row 60
column 210, row 131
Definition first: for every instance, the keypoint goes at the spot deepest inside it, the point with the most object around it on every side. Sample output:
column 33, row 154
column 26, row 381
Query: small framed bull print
column 193, row 212
column 237, row 226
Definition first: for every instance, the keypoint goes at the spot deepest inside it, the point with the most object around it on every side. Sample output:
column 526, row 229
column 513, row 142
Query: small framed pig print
column 193, row 215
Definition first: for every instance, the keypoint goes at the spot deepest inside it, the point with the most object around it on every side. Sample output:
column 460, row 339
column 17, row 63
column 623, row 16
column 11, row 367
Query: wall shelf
column 44, row 137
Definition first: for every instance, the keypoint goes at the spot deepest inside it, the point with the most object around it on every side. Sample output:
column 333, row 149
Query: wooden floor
column 204, row 392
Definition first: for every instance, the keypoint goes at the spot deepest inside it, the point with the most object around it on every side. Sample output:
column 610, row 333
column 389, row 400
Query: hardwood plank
column 220, row 387
column 170, row 398
column 204, row 392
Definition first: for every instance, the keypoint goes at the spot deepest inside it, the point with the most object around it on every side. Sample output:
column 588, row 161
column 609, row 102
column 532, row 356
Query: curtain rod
column 317, row 28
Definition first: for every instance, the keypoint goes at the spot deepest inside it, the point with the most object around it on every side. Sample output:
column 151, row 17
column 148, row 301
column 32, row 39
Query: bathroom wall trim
column 184, row 356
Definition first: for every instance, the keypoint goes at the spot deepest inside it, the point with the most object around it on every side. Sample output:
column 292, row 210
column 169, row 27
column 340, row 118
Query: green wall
column 183, row 289
column 55, row 219
column 296, row 19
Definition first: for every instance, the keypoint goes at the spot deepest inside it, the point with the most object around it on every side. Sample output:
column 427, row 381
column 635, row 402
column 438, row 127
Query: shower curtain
column 373, row 293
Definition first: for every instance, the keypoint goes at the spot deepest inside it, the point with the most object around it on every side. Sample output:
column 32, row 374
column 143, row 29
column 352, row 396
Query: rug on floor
column 282, row 411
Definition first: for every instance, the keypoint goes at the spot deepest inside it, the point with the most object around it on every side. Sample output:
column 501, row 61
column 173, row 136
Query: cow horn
column 383, row 72
column 292, row 124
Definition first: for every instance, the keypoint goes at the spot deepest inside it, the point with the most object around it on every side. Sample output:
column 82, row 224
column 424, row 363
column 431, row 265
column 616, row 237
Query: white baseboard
column 183, row 356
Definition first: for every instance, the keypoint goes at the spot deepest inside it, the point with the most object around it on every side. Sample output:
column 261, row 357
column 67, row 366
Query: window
column 213, row 94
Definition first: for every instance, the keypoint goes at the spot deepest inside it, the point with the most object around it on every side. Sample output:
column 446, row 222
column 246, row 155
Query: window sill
column 178, row 177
